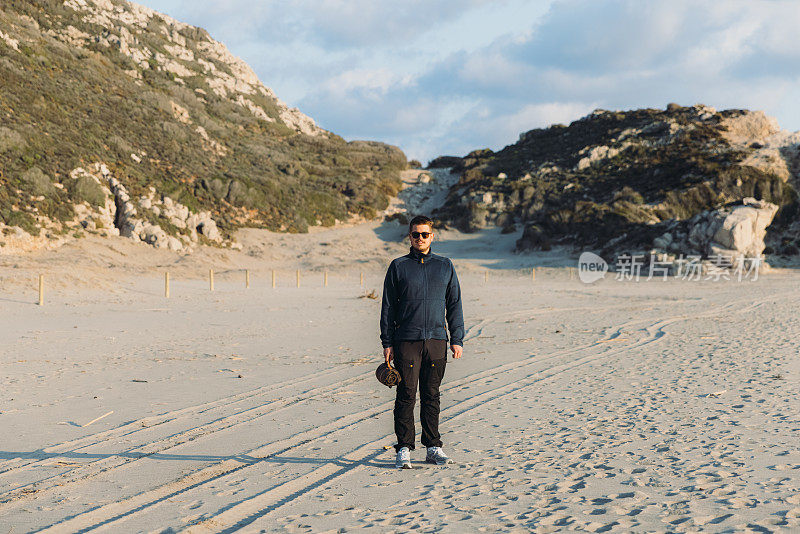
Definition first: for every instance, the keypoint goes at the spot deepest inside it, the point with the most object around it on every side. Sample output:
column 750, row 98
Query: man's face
column 421, row 236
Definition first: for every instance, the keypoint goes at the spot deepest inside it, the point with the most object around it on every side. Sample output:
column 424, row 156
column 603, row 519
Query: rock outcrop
column 422, row 192
column 142, row 223
column 733, row 231
column 616, row 181
column 156, row 220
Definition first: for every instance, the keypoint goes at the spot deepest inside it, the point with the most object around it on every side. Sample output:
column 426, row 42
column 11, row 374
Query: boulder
column 663, row 242
column 533, row 238
column 732, row 231
column 154, row 235
column 743, row 229
column 174, row 244
column 208, row 228
column 476, row 217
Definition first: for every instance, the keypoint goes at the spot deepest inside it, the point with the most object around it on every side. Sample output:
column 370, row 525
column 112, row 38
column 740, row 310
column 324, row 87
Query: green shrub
column 20, row 218
column 86, row 189
column 37, row 183
column 629, row 195
column 10, row 140
column 91, row 111
column 298, row 226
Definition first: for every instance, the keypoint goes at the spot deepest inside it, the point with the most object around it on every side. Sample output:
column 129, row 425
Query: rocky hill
column 623, row 180
column 111, row 113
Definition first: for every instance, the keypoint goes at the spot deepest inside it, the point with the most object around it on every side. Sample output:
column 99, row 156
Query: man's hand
column 457, row 350
column 388, row 355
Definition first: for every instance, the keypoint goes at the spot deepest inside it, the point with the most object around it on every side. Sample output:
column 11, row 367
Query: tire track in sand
column 242, row 514
column 153, row 421
column 122, row 458
column 234, row 517
column 113, row 460
column 113, row 512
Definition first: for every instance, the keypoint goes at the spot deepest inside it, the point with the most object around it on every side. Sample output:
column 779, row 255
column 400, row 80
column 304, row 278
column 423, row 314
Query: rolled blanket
column 387, row 375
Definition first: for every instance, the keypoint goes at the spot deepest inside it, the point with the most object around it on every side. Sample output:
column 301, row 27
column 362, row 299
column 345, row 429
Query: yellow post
column 41, row 290
column 298, row 277
column 246, row 278
column 361, row 282
column 166, row 284
column 211, row 279
column 533, row 274
column 273, row 278
column 325, row 279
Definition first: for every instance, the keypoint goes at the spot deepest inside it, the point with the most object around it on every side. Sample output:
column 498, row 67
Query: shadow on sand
column 40, row 455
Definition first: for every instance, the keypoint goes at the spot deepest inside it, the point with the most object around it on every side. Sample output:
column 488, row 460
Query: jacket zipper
column 425, row 301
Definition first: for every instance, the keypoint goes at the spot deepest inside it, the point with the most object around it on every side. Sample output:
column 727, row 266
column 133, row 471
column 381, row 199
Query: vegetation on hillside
column 65, row 105
column 611, row 177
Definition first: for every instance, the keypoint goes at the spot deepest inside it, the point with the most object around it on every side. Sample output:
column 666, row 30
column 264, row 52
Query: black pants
column 423, row 363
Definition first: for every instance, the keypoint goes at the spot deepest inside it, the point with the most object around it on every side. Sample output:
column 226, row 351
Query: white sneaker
column 437, row 456
column 403, row 458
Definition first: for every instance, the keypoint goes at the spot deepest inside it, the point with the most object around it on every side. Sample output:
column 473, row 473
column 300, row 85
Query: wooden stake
column 485, row 276
column 273, row 278
column 325, row 279
column 246, row 278
column 98, row 418
column 533, row 274
column 41, row 290
column 298, row 277
column 211, row 279
column 166, row 284
column 361, row 282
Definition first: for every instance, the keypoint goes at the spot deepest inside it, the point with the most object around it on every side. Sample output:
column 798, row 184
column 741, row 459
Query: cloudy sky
column 448, row 76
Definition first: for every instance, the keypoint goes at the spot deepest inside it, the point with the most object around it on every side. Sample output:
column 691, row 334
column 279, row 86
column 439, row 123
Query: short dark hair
column 420, row 219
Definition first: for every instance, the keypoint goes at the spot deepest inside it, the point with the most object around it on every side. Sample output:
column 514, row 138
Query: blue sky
column 445, row 77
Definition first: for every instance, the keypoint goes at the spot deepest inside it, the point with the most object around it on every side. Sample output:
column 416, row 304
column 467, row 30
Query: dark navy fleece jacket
column 420, row 293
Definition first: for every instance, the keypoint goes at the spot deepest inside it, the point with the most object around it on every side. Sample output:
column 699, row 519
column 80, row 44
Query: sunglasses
column 423, row 235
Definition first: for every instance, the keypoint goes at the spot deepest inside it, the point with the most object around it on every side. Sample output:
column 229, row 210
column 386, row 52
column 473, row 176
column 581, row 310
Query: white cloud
column 376, row 81
column 446, row 77
column 346, row 23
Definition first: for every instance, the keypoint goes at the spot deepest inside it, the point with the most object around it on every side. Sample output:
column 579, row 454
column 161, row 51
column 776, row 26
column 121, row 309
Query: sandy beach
column 660, row 406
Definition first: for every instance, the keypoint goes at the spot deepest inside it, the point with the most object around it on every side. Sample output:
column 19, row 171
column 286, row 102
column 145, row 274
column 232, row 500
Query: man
column 420, row 292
